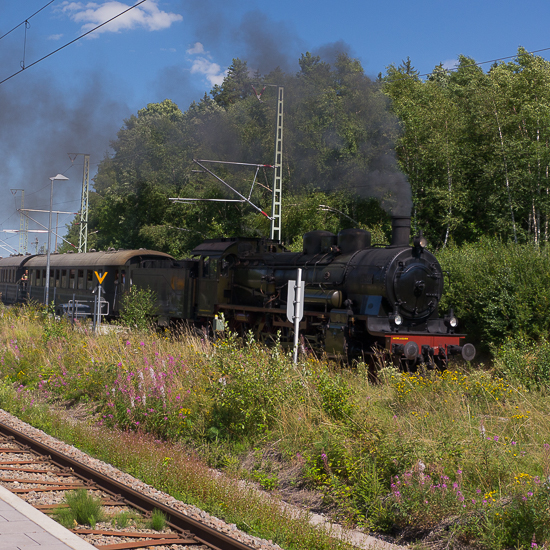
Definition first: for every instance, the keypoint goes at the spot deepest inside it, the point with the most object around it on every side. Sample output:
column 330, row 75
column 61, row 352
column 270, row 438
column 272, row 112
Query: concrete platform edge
column 42, row 520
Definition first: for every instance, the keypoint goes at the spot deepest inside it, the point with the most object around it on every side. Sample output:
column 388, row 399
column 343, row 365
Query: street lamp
column 59, row 177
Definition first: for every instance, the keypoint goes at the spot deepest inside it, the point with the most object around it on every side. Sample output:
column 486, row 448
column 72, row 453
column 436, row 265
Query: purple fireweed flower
column 529, row 494
column 455, row 485
column 495, row 438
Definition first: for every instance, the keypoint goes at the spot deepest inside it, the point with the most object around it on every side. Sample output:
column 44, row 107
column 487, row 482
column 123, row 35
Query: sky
column 76, row 99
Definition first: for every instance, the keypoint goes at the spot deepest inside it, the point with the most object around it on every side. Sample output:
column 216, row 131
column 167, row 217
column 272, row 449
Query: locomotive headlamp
column 420, row 241
column 396, row 318
column 450, row 319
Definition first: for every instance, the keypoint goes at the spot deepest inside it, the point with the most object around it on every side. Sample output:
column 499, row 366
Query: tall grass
column 462, row 449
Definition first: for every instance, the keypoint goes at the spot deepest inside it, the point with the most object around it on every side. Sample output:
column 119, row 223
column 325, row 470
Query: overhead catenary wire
column 72, row 41
column 27, row 20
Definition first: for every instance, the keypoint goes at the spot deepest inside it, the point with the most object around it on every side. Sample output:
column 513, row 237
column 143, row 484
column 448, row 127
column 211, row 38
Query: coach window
column 80, row 279
column 43, row 277
column 63, row 278
column 57, row 278
column 89, row 279
column 72, row 274
column 52, row 278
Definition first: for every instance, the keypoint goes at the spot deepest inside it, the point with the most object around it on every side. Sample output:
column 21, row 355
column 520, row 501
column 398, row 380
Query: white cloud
column 92, row 14
column 197, row 48
column 55, row 36
column 212, row 71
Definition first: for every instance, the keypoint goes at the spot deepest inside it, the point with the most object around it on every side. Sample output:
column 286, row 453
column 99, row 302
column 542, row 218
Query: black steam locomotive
column 358, row 297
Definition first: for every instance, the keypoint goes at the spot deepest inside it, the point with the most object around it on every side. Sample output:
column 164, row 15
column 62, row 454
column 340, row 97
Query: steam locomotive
column 359, row 298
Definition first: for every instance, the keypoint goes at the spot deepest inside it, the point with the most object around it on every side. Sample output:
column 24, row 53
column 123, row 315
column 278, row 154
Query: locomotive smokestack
column 401, row 230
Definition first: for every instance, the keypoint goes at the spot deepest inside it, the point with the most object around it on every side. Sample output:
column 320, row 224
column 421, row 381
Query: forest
column 473, row 145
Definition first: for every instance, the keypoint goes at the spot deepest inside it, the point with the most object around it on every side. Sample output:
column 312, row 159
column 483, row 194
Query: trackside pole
column 297, row 310
column 98, row 324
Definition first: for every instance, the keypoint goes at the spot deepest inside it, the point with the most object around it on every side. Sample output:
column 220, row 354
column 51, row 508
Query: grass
column 462, row 456
column 158, row 520
column 83, row 509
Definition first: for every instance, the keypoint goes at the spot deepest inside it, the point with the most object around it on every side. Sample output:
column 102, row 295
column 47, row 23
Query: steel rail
column 203, row 533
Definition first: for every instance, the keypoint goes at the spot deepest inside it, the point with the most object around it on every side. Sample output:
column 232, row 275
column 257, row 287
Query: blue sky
column 75, row 100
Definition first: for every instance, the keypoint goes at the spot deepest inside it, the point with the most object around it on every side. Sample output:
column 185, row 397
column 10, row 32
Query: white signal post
column 295, row 307
column 97, row 305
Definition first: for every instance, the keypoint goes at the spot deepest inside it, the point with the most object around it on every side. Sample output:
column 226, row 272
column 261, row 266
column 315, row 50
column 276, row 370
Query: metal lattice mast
column 278, row 170
column 23, row 227
column 83, row 238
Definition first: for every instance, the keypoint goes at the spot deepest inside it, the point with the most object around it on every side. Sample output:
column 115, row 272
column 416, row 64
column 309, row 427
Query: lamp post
column 59, row 177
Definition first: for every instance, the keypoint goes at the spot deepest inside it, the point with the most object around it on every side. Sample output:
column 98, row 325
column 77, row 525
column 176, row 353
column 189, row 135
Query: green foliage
column 524, row 361
column 249, row 388
column 138, row 307
column 337, row 130
column 335, row 396
column 498, row 290
column 474, row 148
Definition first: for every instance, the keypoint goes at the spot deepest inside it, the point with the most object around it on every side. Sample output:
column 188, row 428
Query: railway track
column 33, row 469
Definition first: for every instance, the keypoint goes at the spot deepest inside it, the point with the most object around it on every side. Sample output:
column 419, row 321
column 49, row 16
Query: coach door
column 207, row 285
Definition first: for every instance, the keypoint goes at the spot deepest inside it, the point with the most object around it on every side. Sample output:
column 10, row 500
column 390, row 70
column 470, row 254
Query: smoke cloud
column 41, row 121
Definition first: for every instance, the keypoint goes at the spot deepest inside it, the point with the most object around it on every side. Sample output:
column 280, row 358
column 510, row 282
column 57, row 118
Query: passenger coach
column 73, row 277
